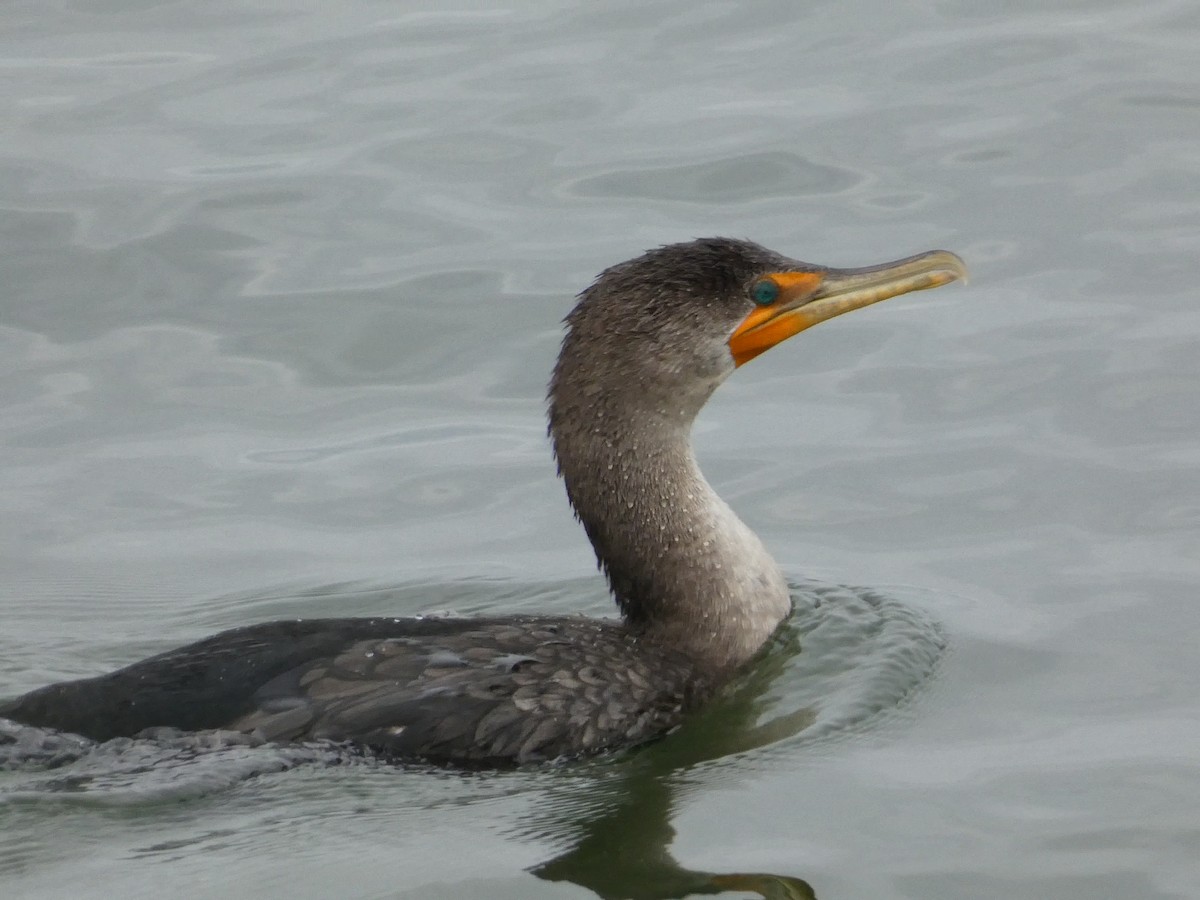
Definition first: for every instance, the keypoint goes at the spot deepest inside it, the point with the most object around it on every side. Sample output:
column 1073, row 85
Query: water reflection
column 864, row 652
column 623, row 853
column 625, row 828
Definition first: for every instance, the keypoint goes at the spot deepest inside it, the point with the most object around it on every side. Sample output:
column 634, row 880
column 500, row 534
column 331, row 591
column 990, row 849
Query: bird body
column 699, row 594
column 470, row 691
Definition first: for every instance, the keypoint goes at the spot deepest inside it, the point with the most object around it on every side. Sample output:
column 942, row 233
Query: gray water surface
column 280, row 291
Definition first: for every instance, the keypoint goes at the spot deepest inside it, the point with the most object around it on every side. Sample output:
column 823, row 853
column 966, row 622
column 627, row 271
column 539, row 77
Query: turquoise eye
column 764, row 292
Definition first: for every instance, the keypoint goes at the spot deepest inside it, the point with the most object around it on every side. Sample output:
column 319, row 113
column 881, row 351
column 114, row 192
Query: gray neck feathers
column 680, row 563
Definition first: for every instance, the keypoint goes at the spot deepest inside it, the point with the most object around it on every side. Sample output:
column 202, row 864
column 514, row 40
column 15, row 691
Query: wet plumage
column 472, row 691
column 645, row 347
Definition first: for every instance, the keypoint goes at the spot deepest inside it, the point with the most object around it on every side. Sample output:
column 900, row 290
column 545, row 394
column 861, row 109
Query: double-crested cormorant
column 699, row 594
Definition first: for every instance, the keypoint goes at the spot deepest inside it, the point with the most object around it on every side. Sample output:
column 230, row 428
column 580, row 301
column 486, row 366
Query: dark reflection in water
column 623, row 846
column 847, row 657
column 623, row 853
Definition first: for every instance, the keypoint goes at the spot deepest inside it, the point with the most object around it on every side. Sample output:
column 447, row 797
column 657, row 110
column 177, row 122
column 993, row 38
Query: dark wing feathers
column 471, row 691
column 490, row 694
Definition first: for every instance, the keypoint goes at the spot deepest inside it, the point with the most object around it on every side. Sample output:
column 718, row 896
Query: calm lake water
column 281, row 289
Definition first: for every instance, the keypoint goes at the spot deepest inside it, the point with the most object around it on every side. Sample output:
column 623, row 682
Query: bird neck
column 682, row 566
